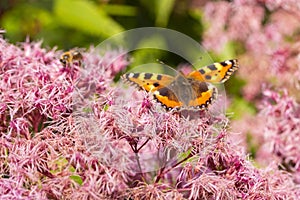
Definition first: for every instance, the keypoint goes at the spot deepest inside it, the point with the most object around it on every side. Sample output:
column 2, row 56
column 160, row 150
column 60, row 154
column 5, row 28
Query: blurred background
column 68, row 23
column 263, row 34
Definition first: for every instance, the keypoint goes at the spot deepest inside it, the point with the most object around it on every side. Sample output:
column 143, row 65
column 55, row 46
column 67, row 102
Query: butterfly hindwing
column 167, row 98
column 205, row 94
column 216, row 72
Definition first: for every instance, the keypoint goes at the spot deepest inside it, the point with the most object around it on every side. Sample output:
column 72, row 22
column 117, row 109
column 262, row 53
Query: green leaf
column 106, row 106
column 196, row 14
column 87, row 110
column 119, row 10
column 252, row 145
column 228, row 51
column 149, row 50
column 163, row 11
column 60, row 163
column 86, row 17
column 20, row 22
column 77, row 179
column 183, row 155
column 71, row 168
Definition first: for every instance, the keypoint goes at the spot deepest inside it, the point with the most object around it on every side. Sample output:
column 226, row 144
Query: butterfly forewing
column 148, row 81
column 215, row 73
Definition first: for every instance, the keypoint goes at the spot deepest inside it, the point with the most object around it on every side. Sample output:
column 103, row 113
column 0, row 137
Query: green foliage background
column 79, row 23
column 69, row 23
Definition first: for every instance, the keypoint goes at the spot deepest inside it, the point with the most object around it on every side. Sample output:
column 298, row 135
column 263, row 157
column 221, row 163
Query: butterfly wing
column 205, row 94
column 215, row 73
column 186, row 93
column 167, row 98
column 148, row 81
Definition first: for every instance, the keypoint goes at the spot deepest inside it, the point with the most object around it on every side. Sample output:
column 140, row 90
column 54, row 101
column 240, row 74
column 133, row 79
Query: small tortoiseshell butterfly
column 185, row 91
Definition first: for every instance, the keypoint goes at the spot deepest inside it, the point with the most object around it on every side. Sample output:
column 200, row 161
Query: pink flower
column 278, row 61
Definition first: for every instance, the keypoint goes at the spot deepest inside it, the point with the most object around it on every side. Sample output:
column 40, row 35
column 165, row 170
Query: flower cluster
column 72, row 133
column 40, row 149
column 267, row 33
column 281, row 132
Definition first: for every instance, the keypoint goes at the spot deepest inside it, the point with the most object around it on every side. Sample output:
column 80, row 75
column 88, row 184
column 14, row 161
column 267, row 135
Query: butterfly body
column 184, row 91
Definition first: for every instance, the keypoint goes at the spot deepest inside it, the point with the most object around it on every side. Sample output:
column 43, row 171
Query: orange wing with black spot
column 168, row 98
column 205, row 94
column 215, row 73
column 148, row 81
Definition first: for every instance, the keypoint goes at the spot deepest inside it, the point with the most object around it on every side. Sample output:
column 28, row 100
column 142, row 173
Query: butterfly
column 194, row 90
